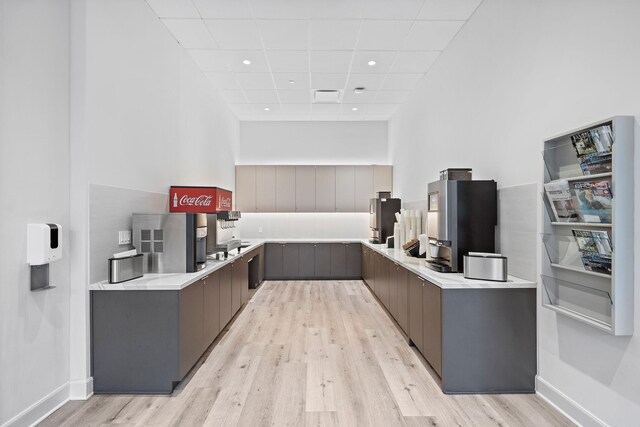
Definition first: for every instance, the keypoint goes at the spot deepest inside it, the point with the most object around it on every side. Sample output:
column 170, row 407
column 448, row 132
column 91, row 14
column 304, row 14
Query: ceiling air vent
column 327, row 96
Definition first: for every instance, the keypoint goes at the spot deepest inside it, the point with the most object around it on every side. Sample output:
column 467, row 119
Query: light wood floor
column 314, row 354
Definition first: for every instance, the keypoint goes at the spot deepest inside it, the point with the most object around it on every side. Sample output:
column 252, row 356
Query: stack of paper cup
column 396, row 236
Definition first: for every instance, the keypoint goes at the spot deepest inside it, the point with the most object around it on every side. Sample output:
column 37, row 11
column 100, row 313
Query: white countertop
column 177, row 281
column 445, row 280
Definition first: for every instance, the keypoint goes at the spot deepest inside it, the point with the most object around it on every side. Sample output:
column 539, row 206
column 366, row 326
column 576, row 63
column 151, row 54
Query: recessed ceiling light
column 267, row 108
column 358, row 90
column 246, row 62
column 371, row 63
column 292, row 82
column 354, row 109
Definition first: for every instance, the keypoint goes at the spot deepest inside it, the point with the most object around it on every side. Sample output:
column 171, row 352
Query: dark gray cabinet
column 239, row 279
column 338, row 260
column 415, row 310
column 382, row 279
column 211, row 299
column 273, row 260
column 225, row 295
column 191, row 326
column 306, row 260
column 432, row 325
column 402, row 281
column 393, row 289
column 322, row 261
column 354, row 261
column 364, row 264
column 290, row 260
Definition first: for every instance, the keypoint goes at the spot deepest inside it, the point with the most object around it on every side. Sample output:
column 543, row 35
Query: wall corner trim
column 567, row 406
column 81, row 389
column 40, row 410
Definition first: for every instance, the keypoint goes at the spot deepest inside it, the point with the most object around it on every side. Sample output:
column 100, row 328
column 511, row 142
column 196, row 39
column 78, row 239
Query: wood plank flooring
column 310, row 354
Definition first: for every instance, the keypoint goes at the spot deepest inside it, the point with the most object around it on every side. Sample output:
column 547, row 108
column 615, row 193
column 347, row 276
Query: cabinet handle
column 205, row 277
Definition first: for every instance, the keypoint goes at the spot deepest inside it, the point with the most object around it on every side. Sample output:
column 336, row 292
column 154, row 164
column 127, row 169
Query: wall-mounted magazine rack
column 576, row 285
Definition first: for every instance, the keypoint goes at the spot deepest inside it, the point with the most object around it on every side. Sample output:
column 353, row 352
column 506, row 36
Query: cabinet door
column 305, row 188
column 415, row 310
column 354, row 260
column 192, row 342
column 384, row 279
column 245, row 193
column 402, row 281
column 325, row 188
column 338, row 260
column 265, row 188
column 225, row 295
column 432, row 325
column 393, row 289
column 363, row 187
column 345, row 189
column 306, row 260
column 245, row 275
column 382, row 178
column 211, row 307
column 372, row 270
column 237, row 283
column 322, row 263
column 290, row 260
column 285, row 188
column 365, row 264
column 273, row 261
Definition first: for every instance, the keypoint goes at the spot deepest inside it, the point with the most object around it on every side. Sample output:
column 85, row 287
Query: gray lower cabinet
column 354, row 261
column 402, row 280
column 273, row 254
column 225, row 295
column 290, row 260
column 432, row 325
column 338, row 260
column 393, row 289
column 309, row 261
column 306, row 260
column 238, row 280
column 211, row 298
column 322, row 261
column 191, row 326
column 415, row 310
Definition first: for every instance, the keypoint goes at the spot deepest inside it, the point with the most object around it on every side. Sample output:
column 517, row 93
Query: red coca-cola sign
column 199, row 199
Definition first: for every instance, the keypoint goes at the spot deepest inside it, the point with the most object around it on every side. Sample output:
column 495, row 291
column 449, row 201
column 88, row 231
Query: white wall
column 143, row 118
column 34, row 187
column 518, row 72
column 308, row 225
column 314, row 143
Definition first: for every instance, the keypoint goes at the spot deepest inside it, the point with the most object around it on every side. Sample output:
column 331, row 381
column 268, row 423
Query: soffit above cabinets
column 267, row 57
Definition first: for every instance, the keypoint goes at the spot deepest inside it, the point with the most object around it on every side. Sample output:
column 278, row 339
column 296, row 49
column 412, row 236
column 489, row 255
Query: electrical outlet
column 259, row 229
column 124, row 237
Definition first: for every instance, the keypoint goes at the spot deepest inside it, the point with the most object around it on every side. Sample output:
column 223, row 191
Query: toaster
column 485, row 266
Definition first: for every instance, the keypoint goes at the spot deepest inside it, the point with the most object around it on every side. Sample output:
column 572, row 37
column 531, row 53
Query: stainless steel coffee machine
column 382, row 216
column 171, row 242
column 222, row 232
column 461, row 217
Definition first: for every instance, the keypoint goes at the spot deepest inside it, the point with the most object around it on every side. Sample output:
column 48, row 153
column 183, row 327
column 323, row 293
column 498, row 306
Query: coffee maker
column 461, row 217
column 382, row 216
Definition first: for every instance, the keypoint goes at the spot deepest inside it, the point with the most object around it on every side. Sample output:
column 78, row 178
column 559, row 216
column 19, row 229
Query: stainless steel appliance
column 485, row 266
column 171, row 242
column 461, row 217
column 222, row 232
column 382, row 212
column 127, row 268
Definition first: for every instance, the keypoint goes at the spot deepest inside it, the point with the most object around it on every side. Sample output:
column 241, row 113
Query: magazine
column 583, row 144
column 595, row 163
column 559, row 195
column 594, row 201
column 595, row 250
column 593, row 148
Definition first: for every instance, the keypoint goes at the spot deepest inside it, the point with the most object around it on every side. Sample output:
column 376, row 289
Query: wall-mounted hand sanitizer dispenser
column 44, row 245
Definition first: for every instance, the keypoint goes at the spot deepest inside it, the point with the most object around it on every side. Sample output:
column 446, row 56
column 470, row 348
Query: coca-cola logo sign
column 199, row 199
column 224, row 202
column 202, row 200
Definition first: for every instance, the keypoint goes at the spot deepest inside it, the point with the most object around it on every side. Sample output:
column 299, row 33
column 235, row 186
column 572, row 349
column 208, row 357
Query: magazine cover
column 596, row 262
column 594, row 201
column 602, row 137
column 559, row 195
column 596, row 241
column 595, row 163
column 583, row 144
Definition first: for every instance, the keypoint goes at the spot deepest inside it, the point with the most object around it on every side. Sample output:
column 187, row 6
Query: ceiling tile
column 285, row 34
column 210, row 60
column 235, row 58
column 431, row 35
column 414, row 62
column 262, row 96
column 228, row 9
column 383, row 59
column 294, row 96
column 369, row 81
column 280, row 9
column 447, row 9
column 254, row 108
column 295, row 109
column 381, row 108
column 328, row 81
column 378, row 117
column 174, row 8
column 324, row 117
column 391, row 96
column 382, row 35
column 300, row 81
column 249, row 81
column 333, row 34
column 325, row 108
column 335, row 9
column 353, row 109
column 330, row 61
column 288, row 61
column 233, row 96
column 223, row 80
column 401, row 81
column 190, row 33
column 396, row 9
column 350, row 97
column 235, row 33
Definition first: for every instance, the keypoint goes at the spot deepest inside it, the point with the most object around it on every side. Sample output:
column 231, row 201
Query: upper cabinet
column 343, row 188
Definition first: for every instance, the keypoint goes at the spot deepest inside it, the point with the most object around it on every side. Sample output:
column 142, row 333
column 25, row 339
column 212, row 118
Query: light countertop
column 177, row 281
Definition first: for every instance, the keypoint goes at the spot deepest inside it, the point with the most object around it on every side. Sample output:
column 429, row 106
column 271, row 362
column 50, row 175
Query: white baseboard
column 81, row 389
column 41, row 409
column 566, row 405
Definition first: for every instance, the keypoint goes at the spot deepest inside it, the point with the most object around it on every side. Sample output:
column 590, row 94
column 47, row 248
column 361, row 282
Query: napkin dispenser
column 126, row 268
column 485, row 266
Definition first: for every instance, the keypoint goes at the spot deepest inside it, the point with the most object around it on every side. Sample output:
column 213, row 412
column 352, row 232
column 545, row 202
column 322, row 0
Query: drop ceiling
column 267, row 57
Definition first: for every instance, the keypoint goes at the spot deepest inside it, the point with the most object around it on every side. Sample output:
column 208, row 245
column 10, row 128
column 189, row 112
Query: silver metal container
column 123, row 269
column 484, row 266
